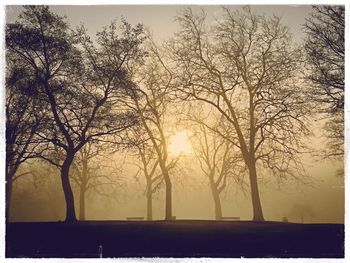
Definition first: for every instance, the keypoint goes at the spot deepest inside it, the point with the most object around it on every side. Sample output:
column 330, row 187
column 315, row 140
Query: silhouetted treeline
column 238, row 86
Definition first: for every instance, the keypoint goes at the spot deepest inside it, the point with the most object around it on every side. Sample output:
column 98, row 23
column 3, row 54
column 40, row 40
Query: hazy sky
column 325, row 195
column 160, row 19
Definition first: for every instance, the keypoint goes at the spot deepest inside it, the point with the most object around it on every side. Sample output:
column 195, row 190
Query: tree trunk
column 82, row 203
column 84, row 182
column 257, row 210
column 68, row 193
column 149, row 199
column 217, row 202
column 168, row 198
column 218, row 211
column 149, row 204
column 8, row 200
column 10, row 174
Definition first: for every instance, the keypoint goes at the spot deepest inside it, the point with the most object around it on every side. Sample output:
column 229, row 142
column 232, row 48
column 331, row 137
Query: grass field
column 182, row 238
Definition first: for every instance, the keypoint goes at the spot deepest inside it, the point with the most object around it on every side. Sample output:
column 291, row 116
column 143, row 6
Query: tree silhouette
column 148, row 165
column 325, row 49
column 23, row 121
column 81, row 83
column 217, row 161
column 153, row 179
column 246, row 68
column 151, row 101
column 91, row 173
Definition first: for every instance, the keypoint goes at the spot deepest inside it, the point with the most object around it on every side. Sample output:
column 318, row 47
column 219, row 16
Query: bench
column 235, row 218
column 135, row 218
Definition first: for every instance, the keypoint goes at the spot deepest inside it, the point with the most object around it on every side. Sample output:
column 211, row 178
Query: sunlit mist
column 180, row 144
column 174, row 131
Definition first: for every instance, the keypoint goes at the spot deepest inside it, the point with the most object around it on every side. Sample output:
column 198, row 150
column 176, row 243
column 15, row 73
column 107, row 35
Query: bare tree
column 325, row 49
column 149, row 167
column 217, row 162
column 90, row 172
column 246, row 68
column 151, row 101
column 153, row 179
column 23, row 120
column 80, row 87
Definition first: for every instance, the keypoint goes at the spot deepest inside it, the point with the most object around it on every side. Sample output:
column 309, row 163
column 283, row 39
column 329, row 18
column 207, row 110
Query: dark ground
column 183, row 238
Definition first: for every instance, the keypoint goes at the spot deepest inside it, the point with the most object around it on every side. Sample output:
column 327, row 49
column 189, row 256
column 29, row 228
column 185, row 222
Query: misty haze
column 197, row 125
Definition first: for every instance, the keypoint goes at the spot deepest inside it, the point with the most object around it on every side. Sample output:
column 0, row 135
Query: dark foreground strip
column 186, row 238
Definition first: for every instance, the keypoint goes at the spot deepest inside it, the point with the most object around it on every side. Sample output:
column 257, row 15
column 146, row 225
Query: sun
column 180, row 143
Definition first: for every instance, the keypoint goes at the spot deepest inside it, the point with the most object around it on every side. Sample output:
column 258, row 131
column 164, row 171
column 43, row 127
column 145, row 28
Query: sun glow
column 180, row 143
